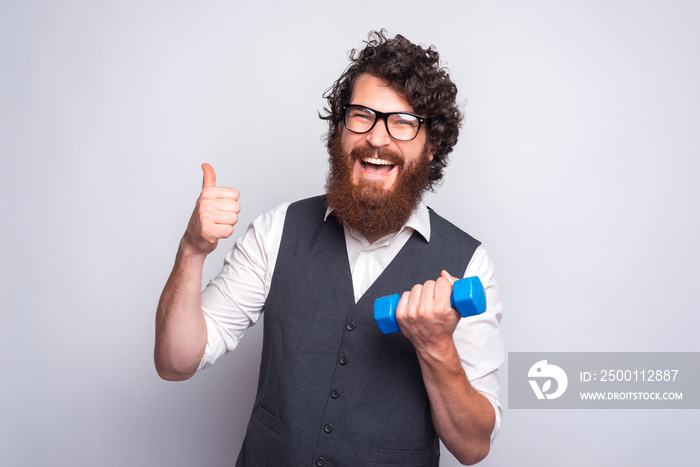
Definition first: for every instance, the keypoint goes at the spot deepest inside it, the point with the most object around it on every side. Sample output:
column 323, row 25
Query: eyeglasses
column 401, row 126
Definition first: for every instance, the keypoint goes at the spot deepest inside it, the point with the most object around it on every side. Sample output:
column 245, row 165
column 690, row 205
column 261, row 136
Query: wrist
column 438, row 350
column 187, row 251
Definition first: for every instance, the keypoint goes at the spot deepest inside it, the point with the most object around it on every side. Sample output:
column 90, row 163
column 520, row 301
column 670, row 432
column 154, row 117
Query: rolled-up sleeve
column 479, row 340
column 234, row 300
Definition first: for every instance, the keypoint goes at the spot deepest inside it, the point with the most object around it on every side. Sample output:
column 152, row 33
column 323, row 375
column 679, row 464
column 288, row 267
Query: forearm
column 181, row 333
column 463, row 417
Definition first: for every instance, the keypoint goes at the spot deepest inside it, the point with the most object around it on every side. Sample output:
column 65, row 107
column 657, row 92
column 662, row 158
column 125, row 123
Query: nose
column 379, row 136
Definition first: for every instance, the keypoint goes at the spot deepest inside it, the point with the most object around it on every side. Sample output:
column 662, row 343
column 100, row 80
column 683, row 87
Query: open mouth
column 376, row 166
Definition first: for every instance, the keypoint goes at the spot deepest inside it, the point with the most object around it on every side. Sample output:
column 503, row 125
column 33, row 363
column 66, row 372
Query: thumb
column 447, row 276
column 209, row 176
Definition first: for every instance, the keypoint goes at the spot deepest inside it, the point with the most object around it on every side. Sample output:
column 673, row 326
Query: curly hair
column 416, row 74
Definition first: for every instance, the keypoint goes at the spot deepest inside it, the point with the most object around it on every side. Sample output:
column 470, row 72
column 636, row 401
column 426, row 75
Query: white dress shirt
column 235, row 299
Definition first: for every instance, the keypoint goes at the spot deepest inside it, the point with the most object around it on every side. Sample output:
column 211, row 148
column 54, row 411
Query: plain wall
column 577, row 167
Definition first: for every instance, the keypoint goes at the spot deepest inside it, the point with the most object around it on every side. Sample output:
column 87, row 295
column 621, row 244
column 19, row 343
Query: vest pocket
column 270, row 421
column 264, row 444
column 392, row 457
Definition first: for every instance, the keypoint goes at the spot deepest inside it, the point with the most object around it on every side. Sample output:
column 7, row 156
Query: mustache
column 381, row 153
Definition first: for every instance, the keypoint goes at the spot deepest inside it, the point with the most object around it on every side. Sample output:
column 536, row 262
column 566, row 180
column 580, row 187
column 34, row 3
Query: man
column 332, row 389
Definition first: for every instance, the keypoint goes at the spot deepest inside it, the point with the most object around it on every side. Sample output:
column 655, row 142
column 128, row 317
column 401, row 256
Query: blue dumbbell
column 467, row 298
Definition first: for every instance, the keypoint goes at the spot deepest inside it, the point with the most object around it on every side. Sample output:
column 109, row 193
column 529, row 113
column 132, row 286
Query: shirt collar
column 419, row 220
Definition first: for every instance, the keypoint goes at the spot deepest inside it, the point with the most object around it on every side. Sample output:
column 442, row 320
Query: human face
column 377, row 170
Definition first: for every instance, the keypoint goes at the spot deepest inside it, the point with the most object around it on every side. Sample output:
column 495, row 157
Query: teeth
column 375, row 161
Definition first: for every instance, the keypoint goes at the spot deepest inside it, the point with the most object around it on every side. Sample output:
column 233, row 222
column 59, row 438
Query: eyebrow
column 412, row 112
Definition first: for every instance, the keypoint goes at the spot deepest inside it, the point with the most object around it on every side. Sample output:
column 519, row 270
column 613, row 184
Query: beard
column 366, row 206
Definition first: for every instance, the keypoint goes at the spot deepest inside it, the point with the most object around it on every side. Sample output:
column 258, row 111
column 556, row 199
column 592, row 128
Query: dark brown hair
column 416, row 74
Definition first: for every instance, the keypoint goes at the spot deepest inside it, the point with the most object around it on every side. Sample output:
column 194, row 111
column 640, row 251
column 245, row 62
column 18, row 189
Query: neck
column 373, row 237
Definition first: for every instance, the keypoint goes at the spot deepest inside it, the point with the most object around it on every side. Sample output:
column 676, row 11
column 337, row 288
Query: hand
column 214, row 215
column 425, row 315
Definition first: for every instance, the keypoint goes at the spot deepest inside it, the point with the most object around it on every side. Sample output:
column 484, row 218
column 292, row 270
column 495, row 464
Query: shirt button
column 335, row 394
column 328, row 428
column 343, row 360
column 350, row 326
column 320, row 462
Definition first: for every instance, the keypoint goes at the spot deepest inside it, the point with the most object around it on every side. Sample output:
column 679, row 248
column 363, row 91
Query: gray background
column 577, row 166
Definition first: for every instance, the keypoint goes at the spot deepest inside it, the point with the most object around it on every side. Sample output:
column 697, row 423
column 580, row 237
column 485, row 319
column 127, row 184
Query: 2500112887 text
column 630, row 376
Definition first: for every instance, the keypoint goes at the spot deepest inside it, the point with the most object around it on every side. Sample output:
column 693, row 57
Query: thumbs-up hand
column 214, row 215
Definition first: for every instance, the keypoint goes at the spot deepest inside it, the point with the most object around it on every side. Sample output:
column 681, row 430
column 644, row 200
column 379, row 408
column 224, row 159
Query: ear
column 428, row 149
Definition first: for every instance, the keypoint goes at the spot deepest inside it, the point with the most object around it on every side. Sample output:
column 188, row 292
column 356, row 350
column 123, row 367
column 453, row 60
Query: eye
column 404, row 120
column 360, row 114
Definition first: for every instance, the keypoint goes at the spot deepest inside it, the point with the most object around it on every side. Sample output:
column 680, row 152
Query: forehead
column 378, row 94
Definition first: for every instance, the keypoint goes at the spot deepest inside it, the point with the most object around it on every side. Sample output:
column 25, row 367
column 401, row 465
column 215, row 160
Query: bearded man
column 332, row 389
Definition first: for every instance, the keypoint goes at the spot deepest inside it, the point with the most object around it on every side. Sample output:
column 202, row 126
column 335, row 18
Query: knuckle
column 204, row 204
column 204, row 217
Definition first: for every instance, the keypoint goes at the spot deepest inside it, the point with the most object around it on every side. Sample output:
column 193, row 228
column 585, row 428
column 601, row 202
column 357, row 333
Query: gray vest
column 333, row 390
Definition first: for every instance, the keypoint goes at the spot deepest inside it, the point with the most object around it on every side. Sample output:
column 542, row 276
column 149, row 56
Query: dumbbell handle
column 467, row 297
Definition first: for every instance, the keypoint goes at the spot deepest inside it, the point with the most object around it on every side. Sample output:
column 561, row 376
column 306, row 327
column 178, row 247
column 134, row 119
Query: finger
column 224, row 193
column 414, row 299
column 427, row 294
column 210, row 201
column 214, row 205
column 209, row 179
column 447, row 276
column 225, row 218
column 408, row 302
column 216, row 230
column 443, row 288
column 402, row 306
column 223, row 231
column 228, row 205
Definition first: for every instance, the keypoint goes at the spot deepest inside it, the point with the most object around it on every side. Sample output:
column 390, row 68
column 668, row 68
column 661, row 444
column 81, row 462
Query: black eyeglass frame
column 383, row 116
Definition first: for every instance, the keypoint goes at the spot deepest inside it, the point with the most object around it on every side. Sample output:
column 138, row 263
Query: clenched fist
column 425, row 314
column 214, row 215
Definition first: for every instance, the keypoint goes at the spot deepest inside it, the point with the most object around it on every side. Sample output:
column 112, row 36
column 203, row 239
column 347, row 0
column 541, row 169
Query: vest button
column 335, row 394
column 350, row 326
column 328, row 428
column 320, row 462
column 343, row 360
